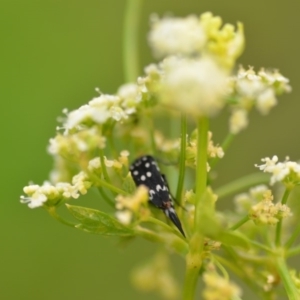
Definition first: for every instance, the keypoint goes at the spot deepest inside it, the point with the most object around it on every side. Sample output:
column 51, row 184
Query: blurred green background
column 54, row 53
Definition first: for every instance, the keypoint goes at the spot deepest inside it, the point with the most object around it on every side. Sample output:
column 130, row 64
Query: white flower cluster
column 51, row 194
column 72, row 145
column 196, row 86
column 199, row 54
column 106, row 107
column 195, row 36
column 287, row 172
column 259, row 205
column 267, row 212
column 245, row 201
column 171, row 36
column 248, row 89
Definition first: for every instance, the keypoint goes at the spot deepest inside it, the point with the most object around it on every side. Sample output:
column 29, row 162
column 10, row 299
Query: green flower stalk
column 194, row 81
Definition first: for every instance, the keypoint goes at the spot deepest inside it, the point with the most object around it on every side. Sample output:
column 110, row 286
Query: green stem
column 165, row 226
column 109, row 201
column 53, row 213
column 229, row 265
column 201, row 168
column 180, row 182
column 225, row 145
column 242, row 183
column 99, row 183
column 239, row 223
column 194, row 257
column 279, row 224
column 293, row 237
column 221, row 268
column 152, row 135
column 285, row 276
column 175, row 243
column 261, row 246
column 103, row 166
column 130, row 40
column 294, row 251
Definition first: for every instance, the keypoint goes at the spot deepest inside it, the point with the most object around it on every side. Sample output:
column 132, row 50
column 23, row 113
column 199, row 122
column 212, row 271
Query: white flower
column 238, row 121
column 287, row 171
column 124, row 216
column 268, row 165
column 249, row 89
column 67, row 190
column 131, row 95
column 249, row 85
column 258, row 191
column 37, row 199
column 170, row 36
column 51, row 194
column 94, row 164
column 196, row 86
column 265, row 101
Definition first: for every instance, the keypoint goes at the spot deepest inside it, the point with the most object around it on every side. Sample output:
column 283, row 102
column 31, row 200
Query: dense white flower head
column 287, row 172
column 249, row 89
column 51, row 194
column 173, row 36
column 72, row 145
column 106, row 107
column 195, row 86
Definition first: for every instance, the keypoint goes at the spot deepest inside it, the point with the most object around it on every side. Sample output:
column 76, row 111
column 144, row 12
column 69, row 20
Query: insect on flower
column 145, row 170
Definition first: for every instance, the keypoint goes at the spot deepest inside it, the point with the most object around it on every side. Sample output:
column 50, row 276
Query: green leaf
column 98, row 222
column 234, row 239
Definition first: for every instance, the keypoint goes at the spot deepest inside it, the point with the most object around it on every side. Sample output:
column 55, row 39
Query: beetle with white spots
column 145, row 171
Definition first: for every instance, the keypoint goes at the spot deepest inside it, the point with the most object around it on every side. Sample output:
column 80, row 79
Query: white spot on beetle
column 149, row 174
column 147, row 165
column 135, row 172
column 151, row 192
column 158, row 187
column 143, row 177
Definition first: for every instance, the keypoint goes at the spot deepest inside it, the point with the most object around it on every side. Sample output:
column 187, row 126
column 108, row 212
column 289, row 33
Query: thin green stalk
column 242, row 183
column 239, row 223
column 293, row 237
column 261, row 246
column 165, row 226
column 225, row 145
column 130, row 40
column 53, row 213
column 229, row 265
column 194, row 257
column 180, row 182
column 112, row 145
column 100, row 182
column 288, row 282
column 221, row 268
column 279, row 224
column 103, row 166
column 109, row 201
column 201, row 168
column 175, row 243
column 152, row 135
column 294, row 251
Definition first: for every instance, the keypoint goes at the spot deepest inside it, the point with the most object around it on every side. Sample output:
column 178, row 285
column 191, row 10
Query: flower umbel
column 115, row 142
